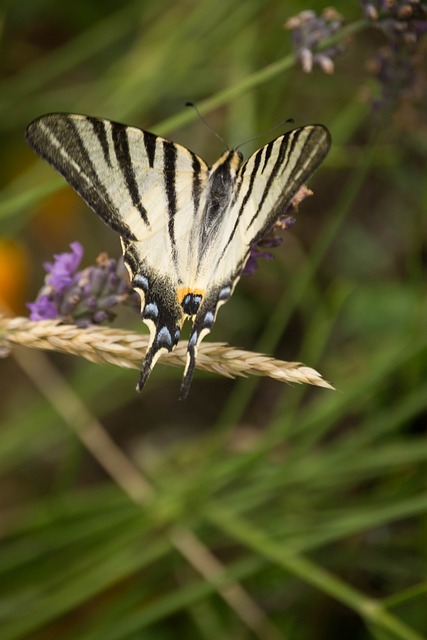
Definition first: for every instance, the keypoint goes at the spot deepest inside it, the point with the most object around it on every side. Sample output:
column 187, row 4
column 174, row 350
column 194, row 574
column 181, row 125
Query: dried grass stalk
column 127, row 349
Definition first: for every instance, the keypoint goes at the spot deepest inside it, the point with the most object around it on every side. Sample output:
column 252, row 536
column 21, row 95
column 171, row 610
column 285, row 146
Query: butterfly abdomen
column 219, row 193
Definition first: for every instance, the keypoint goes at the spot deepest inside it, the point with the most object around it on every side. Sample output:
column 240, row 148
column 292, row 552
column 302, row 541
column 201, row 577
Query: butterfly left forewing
column 126, row 175
column 144, row 187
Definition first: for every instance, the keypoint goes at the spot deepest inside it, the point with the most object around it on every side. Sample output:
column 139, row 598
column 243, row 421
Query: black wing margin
column 73, row 145
column 273, row 175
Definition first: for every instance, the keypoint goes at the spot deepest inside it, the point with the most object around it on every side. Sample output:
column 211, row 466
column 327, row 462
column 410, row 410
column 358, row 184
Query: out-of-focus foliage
column 314, row 501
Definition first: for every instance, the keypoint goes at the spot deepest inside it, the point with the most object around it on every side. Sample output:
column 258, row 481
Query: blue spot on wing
column 164, row 338
column 209, row 319
column 151, row 311
column 140, row 282
column 225, row 293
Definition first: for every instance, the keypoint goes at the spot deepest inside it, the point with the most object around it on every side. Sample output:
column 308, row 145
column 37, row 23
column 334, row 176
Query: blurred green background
column 267, row 511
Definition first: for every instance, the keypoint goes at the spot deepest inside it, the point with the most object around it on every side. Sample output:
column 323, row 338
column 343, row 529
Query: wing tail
column 149, row 361
column 163, row 339
column 160, row 311
column 189, row 367
column 160, row 344
column 203, row 324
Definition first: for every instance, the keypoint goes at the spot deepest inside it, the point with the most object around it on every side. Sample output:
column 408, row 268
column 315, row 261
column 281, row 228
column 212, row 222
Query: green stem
column 79, row 49
column 82, row 47
column 252, row 81
column 370, row 610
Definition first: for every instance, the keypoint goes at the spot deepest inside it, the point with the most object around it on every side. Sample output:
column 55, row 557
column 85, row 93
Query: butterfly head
column 231, row 160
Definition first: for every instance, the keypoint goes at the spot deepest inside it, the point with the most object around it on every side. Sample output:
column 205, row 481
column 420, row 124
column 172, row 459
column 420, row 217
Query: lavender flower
column 83, row 297
column 43, row 308
column 403, row 22
column 400, row 20
column 64, row 268
column 308, row 32
column 271, row 239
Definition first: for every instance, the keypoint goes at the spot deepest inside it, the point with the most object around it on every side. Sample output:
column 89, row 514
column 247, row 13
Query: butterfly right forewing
column 273, row 175
column 264, row 189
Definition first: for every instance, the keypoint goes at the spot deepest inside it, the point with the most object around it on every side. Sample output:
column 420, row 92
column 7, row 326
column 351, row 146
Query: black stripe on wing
column 150, row 144
column 247, row 195
column 268, row 150
column 197, row 182
column 100, row 131
column 315, row 141
column 169, row 176
column 56, row 138
column 263, row 173
column 122, row 151
column 285, row 152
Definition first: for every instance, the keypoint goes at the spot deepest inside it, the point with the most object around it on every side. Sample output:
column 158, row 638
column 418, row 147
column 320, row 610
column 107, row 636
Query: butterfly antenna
column 203, row 119
column 259, row 135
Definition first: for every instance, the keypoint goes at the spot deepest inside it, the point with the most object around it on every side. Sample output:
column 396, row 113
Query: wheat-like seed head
column 127, row 349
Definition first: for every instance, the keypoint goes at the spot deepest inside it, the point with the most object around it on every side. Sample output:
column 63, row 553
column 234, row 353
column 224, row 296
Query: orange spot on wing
column 183, row 291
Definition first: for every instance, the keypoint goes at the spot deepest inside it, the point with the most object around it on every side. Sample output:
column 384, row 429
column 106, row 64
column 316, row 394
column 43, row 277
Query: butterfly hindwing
column 186, row 228
column 203, row 322
column 160, row 308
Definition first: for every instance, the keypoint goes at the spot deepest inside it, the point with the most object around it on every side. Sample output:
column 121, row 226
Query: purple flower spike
column 308, row 33
column 42, row 309
column 271, row 240
column 82, row 297
column 404, row 23
column 63, row 269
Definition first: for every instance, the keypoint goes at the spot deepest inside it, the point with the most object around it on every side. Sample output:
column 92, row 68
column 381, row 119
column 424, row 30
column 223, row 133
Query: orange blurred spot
column 14, row 275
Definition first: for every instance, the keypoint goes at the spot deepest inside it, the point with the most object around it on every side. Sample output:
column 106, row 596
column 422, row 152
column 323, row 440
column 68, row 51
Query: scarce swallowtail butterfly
column 186, row 228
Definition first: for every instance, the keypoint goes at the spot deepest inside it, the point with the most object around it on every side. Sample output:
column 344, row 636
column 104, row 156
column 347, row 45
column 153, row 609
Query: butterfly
column 186, row 228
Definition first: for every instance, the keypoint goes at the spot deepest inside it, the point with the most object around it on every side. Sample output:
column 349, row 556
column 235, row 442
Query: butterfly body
column 186, row 228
